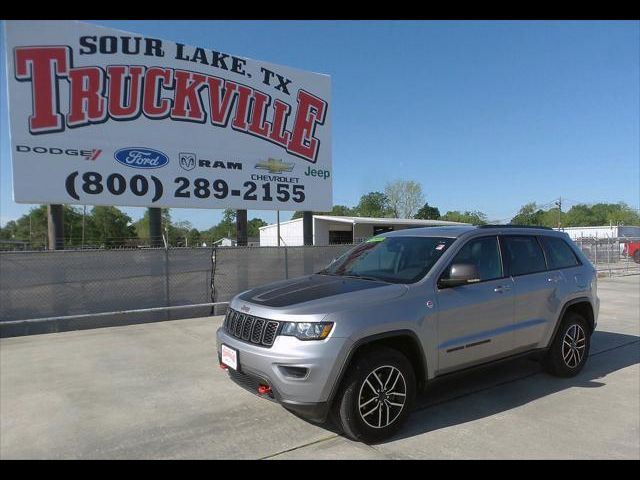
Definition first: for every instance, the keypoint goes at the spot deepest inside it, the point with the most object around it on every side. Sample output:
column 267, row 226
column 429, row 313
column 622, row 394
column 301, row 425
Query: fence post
column 286, row 264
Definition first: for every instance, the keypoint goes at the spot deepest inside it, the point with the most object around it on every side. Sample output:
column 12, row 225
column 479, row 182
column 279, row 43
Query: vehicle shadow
column 609, row 352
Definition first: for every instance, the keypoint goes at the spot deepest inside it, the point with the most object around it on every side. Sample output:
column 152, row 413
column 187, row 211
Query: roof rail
column 510, row 225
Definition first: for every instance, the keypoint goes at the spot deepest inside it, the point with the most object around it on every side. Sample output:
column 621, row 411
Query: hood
column 316, row 288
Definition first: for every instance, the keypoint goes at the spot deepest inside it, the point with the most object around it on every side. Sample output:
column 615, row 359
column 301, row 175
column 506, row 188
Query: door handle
column 553, row 279
column 502, row 288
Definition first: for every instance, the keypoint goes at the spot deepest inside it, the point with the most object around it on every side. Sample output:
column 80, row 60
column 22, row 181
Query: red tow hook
column 264, row 389
column 223, row 366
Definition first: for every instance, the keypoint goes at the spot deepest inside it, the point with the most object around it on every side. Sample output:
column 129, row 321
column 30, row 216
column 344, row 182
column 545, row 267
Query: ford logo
column 140, row 157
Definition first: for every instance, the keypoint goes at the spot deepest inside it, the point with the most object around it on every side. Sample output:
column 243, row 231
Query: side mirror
column 460, row 274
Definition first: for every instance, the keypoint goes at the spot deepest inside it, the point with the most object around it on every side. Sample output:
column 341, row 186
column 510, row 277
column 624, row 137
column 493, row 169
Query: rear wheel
column 570, row 348
column 376, row 395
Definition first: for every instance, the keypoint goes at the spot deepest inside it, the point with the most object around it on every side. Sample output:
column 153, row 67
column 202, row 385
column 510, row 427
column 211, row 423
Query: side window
column 484, row 253
column 559, row 254
column 523, row 254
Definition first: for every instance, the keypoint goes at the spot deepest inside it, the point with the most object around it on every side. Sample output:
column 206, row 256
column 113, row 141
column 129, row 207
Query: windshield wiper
column 365, row 277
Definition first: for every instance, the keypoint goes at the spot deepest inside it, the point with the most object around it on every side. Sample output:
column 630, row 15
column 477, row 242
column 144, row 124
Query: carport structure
column 333, row 229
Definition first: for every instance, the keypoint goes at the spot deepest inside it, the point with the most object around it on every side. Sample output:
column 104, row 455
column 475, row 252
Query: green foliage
column 404, row 197
column 373, row 204
column 428, row 212
column 474, row 217
column 579, row 215
column 253, row 227
column 110, row 227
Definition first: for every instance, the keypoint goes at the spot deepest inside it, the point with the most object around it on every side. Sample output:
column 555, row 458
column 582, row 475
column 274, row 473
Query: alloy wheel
column 382, row 396
column 574, row 344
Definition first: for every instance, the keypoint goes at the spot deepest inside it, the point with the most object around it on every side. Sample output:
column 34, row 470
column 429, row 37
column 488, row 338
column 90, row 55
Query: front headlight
column 307, row 330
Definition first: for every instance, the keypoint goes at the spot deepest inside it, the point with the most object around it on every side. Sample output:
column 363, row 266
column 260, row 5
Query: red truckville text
column 124, row 92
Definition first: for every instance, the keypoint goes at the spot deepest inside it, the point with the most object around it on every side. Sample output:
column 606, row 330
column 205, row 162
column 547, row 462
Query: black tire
column 636, row 256
column 356, row 423
column 566, row 357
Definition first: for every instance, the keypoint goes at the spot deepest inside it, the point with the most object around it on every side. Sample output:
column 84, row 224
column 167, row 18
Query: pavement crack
column 324, row 439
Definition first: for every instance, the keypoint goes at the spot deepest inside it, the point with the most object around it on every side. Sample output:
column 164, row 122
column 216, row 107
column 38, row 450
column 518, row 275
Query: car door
column 475, row 320
column 535, row 288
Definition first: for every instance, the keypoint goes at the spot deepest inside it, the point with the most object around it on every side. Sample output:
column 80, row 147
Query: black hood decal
column 305, row 289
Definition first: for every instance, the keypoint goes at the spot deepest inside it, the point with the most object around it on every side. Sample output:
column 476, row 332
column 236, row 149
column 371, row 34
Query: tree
column 428, row 212
column 474, row 217
column 529, row 214
column 373, row 204
column 404, row 197
column 601, row 214
column 32, row 227
column 194, row 238
column 111, row 227
column 253, row 227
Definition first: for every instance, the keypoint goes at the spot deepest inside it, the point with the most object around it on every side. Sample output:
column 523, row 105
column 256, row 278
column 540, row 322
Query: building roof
column 384, row 221
column 374, row 221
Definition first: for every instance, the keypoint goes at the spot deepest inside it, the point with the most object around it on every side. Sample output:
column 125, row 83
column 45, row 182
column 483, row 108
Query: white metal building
column 329, row 229
column 605, row 231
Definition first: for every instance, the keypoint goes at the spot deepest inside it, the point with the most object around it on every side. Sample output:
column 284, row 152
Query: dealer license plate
column 230, row 357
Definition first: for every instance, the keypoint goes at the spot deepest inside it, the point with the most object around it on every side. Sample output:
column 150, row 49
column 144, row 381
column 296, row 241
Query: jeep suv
column 358, row 339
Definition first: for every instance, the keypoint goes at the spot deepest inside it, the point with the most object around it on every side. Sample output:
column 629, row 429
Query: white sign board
column 104, row 117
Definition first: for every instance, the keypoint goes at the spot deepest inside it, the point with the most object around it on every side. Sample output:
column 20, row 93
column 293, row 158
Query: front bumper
column 308, row 395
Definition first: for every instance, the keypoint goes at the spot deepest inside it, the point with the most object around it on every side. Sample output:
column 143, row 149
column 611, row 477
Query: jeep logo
column 315, row 172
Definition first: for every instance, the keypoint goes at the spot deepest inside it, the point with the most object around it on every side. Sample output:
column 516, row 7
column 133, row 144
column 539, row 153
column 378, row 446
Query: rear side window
column 559, row 254
column 523, row 254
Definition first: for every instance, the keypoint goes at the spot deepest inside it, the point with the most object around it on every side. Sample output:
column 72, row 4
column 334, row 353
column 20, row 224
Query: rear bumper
column 309, row 395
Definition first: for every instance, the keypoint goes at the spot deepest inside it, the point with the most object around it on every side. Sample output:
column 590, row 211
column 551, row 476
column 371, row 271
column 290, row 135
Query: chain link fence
column 239, row 268
column 612, row 256
column 45, row 284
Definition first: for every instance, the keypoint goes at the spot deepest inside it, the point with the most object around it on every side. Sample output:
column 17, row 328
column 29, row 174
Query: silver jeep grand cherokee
column 359, row 338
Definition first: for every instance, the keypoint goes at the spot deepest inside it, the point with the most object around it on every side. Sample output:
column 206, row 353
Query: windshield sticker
column 440, row 246
column 375, row 239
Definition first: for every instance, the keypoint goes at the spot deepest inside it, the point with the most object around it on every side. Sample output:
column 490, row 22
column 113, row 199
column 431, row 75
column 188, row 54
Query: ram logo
column 188, row 161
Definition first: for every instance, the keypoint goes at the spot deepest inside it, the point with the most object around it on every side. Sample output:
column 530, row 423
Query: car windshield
column 390, row 259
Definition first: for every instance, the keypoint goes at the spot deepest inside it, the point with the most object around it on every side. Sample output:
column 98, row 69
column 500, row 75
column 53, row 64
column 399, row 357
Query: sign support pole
column 155, row 227
column 55, row 227
column 241, row 228
column 278, row 220
column 307, row 227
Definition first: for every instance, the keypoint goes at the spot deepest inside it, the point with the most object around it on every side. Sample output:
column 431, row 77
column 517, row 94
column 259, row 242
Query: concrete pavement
column 155, row 391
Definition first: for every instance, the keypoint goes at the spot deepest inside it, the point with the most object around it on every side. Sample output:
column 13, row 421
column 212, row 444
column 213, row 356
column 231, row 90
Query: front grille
column 251, row 329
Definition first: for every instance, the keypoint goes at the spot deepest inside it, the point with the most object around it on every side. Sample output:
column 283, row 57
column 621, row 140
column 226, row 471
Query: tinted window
column 484, row 254
column 391, row 259
column 524, row 255
column 559, row 254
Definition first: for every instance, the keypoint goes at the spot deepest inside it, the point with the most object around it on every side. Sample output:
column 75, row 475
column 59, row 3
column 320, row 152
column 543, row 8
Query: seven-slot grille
column 251, row 329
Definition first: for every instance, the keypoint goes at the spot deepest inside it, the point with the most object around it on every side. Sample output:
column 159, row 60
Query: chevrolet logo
column 275, row 166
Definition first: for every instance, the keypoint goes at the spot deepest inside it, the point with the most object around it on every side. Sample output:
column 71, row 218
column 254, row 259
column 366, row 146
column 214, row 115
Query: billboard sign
column 104, row 117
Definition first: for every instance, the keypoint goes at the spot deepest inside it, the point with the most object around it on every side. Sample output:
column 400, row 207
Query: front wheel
column 376, row 395
column 636, row 256
column 570, row 348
